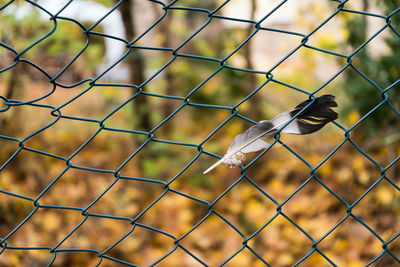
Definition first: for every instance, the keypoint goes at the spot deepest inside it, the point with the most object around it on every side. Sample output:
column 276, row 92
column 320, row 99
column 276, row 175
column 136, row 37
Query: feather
column 307, row 121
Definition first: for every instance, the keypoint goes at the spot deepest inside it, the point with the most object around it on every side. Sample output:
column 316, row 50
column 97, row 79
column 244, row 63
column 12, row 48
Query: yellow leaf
column 340, row 245
column 353, row 117
column 364, row 177
column 345, row 174
column 384, row 195
column 326, row 169
column 358, row 163
column 51, row 221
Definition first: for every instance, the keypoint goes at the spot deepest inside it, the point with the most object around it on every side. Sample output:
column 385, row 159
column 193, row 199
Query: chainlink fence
column 246, row 241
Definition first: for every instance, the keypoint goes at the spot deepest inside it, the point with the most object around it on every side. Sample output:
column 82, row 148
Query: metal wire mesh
column 150, row 136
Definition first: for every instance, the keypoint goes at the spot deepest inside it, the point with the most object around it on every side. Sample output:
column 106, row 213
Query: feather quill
column 310, row 120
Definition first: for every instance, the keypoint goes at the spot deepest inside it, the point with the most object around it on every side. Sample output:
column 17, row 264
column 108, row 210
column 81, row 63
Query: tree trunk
column 13, row 91
column 251, row 84
column 11, row 125
column 167, row 107
column 135, row 61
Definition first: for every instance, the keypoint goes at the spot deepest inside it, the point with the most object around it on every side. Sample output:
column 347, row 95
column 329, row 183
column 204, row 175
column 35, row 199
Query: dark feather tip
column 322, row 101
column 316, row 115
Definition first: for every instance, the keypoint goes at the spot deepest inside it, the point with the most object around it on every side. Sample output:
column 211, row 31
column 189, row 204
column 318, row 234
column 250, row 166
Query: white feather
column 281, row 119
column 318, row 114
column 252, row 147
column 236, row 156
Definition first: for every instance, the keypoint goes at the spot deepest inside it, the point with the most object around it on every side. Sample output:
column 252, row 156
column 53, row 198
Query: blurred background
column 78, row 65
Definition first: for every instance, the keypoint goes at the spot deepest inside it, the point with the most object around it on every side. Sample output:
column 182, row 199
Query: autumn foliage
column 86, row 180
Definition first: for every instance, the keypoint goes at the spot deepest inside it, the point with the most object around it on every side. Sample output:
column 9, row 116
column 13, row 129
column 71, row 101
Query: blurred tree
column 16, row 33
column 164, row 29
column 383, row 70
column 248, row 54
column 52, row 53
column 135, row 62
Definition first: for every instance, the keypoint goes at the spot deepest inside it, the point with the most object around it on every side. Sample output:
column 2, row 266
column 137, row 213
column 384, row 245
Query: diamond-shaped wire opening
column 236, row 83
column 275, row 244
column 97, row 152
column 68, row 189
column 213, row 240
column 245, row 207
column 117, row 70
column 178, row 123
column 113, row 23
column 220, row 141
column 315, row 209
column 32, row 170
column 142, row 246
column 181, row 33
column 214, row 33
column 319, row 144
column 373, row 60
column 178, row 80
column 331, row 36
column 384, row 142
column 37, row 118
column 63, row 96
column 180, row 214
column 125, row 117
column 378, row 209
column 76, row 48
column 126, row 198
column 367, row 98
column 264, row 55
column 25, row 82
column 351, row 243
column 97, row 102
column 308, row 70
column 14, row 210
column 46, row 227
column 164, row 164
column 278, row 182
column 97, row 233
column 38, row 28
column 61, row 139
column 348, row 172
